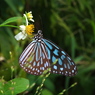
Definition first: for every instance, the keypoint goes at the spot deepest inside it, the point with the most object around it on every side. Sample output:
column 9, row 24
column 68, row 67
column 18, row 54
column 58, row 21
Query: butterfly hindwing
column 64, row 64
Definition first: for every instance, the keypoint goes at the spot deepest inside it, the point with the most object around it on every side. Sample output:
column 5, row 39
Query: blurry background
column 68, row 23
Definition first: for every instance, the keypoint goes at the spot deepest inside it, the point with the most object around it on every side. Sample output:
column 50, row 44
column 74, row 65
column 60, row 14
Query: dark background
column 68, row 23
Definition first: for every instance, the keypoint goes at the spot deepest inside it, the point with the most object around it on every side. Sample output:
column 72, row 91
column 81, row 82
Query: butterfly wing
column 39, row 56
column 34, row 58
column 64, row 64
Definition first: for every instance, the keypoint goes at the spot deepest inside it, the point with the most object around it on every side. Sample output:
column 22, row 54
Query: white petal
column 24, row 36
column 19, row 36
column 31, row 20
column 30, row 12
column 24, row 15
column 22, row 27
column 24, row 32
column 30, row 16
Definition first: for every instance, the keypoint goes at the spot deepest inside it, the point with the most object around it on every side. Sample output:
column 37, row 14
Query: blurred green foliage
column 12, row 87
column 68, row 23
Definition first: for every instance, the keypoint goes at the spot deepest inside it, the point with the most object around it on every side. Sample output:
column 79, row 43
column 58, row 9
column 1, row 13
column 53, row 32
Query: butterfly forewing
column 34, row 59
column 42, row 54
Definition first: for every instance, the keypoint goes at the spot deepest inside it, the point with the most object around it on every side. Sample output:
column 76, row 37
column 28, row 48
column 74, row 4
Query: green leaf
column 46, row 92
column 10, row 20
column 14, row 86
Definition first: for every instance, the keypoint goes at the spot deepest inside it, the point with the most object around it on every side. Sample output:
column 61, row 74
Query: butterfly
column 40, row 55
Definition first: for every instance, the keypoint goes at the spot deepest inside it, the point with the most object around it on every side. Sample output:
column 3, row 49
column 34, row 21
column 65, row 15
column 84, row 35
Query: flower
column 29, row 29
column 25, row 31
column 29, row 16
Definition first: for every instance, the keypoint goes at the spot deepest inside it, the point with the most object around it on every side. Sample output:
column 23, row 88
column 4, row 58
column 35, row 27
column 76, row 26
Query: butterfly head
column 38, row 36
column 39, row 31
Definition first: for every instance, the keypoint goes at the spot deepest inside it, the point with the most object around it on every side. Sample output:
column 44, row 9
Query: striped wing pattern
column 41, row 54
column 34, row 58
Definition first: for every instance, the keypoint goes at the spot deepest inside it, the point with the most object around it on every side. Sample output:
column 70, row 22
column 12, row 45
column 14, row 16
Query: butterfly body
column 42, row 54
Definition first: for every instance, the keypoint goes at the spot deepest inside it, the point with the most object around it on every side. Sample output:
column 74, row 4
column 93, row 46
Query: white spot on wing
column 46, row 64
column 75, row 68
column 42, row 68
column 33, row 69
column 61, row 69
column 66, row 72
column 72, row 71
column 60, row 72
column 38, row 70
column 26, row 69
column 55, row 67
column 29, row 71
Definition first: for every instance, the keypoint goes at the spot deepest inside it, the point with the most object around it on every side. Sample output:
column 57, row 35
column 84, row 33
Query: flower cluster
column 26, row 29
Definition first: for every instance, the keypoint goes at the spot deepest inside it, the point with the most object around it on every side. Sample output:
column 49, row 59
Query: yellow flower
column 29, row 29
column 25, row 31
column 29, row 16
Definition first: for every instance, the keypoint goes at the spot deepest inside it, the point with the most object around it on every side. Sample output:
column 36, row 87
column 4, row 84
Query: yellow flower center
column 29, row 29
